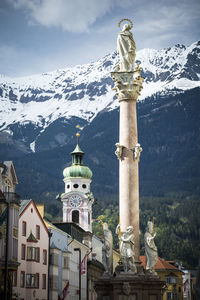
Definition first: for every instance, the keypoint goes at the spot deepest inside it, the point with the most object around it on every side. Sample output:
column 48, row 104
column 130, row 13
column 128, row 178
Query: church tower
column 77, row 199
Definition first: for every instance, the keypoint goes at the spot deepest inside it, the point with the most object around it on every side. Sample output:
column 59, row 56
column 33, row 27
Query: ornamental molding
column 127, row 85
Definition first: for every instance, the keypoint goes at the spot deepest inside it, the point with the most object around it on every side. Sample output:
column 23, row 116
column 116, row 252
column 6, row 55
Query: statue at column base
column 107, row 250
column 127, row 250
column 151, row 251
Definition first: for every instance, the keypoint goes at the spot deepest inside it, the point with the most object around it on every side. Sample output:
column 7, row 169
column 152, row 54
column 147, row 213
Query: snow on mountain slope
column 85, row 90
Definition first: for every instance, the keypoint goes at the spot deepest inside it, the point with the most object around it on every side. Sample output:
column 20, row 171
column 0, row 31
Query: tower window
column 75, row 216
column 88, row 218
column 75, row 185
column 68, row 186
column 84, row 186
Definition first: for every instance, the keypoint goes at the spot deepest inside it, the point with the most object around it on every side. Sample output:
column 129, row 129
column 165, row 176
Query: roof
column 9, row 164
column 23, row 205
column 31, row 238
column 77, row 150
column 160, row 265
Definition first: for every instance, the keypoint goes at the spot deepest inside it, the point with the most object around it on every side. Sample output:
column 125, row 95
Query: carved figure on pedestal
column 127, row 250
column 107, row 250
column 126, row 48
column 119, row 150
column 136, row 152
column 151, row 251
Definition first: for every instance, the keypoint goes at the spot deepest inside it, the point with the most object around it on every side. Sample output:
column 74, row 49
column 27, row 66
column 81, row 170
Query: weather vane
column 122, row 20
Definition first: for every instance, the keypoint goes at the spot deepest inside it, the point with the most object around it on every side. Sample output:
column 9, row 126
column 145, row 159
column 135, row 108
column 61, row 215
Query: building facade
column 171, row 275
column 9, row 211
column 33, row 254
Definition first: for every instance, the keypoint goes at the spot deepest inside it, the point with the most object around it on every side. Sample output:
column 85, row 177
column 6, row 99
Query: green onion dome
column 77, row 169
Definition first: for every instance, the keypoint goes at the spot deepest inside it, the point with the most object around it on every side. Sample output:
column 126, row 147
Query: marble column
column 128, row 86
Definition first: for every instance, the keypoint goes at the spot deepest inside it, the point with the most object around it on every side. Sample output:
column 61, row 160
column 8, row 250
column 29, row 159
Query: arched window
column 75, row 216
column 88, row 218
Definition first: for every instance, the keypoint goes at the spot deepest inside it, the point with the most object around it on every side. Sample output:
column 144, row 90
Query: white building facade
column 33, row 254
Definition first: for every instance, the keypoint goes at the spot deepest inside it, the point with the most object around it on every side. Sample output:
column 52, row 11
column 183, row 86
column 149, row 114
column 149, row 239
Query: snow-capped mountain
column 85, row 90
column 39, row 114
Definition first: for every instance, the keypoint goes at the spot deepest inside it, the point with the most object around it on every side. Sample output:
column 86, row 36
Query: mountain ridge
column 26, row 131
column 85, row 90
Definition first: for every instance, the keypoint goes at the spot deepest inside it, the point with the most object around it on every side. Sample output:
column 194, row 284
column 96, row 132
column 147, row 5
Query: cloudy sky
column 43, row 35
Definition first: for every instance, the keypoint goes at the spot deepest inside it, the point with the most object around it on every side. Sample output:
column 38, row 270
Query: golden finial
column 77, row 134
column 122, row 20
column 117, row 68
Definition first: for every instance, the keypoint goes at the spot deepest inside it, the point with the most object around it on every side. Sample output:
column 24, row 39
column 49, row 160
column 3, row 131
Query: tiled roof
column 160, row 265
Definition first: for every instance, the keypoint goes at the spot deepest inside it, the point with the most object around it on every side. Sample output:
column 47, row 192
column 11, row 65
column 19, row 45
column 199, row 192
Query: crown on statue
column 122, row 20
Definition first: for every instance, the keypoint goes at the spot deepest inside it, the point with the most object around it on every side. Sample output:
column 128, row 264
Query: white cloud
column 71, row 15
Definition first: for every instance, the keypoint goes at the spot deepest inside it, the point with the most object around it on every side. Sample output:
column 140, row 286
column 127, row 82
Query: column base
column 125, row 286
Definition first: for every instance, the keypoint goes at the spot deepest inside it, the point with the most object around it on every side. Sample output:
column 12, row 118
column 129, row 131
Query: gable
column 27, row 205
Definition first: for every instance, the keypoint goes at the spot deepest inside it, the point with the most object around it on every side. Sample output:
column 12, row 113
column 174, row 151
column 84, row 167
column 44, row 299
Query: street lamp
column 79, row 251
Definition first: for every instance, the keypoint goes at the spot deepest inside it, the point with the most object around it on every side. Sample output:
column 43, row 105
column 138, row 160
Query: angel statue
column 127, row 249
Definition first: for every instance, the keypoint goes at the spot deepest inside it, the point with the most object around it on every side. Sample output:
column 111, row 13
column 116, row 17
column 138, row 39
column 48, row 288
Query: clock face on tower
column 75, row 200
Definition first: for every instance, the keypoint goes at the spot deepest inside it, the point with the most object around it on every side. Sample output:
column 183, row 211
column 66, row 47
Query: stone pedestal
column 128, row 86
column 129, row 287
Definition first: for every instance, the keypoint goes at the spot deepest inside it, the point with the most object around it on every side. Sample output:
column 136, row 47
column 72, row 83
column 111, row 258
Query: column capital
column 128, row 85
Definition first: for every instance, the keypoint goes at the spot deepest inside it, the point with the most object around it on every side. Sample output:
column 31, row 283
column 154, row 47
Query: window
column 88, row 218
column 23, row 251
column 68, row 186
column 66, row 262
column 23, row 228
column 32, row 280
column 75, row 216
column 172, row 295
column 15, row 278
column 84, row 186
column 44, row 281
column 172, row 280
column 15, row 217
column 37, row 232
column 33, row 253
column 15, row 248
column 44, row 258
column 75, row 185
column 22, row 279
column 7, row 186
